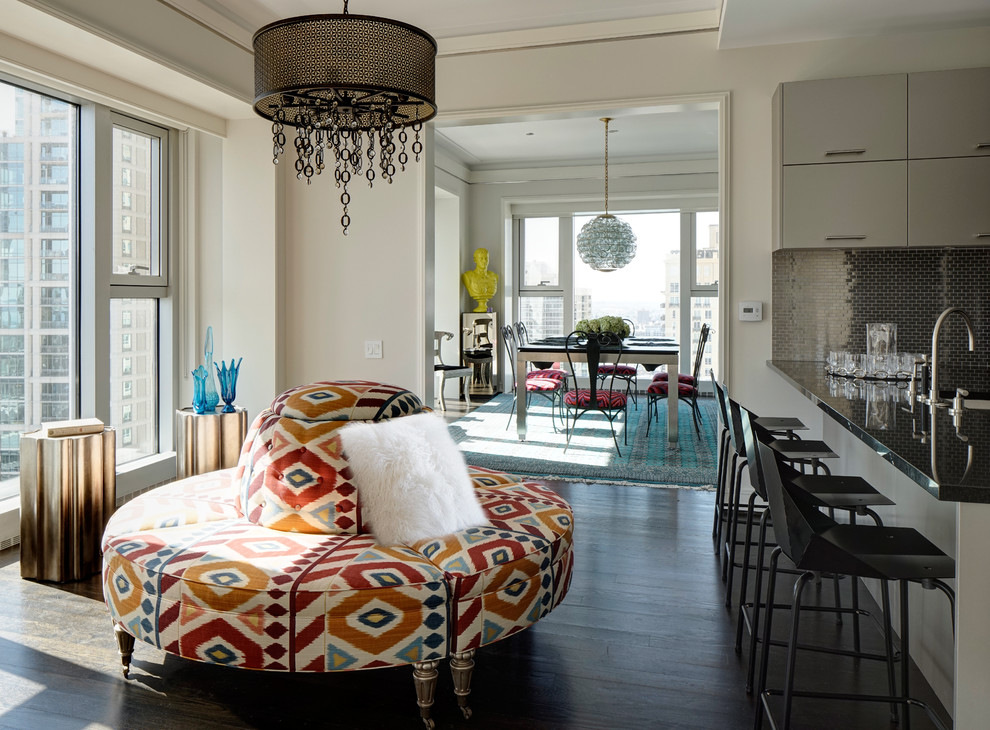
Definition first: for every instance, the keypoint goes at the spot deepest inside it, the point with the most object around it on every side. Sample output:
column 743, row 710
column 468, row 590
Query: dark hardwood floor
column 643, row 640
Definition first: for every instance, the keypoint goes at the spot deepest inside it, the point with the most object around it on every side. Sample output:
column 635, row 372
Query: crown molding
column 704, row 20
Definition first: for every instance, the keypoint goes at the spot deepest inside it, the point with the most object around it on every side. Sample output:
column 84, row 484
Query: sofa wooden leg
column 125, row 643
column 425, row 678
column 461, row 667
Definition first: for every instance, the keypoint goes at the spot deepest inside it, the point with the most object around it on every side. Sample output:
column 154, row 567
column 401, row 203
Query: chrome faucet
column 933, row 398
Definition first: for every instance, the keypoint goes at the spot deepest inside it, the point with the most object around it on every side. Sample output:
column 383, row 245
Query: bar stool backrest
column 796, row 523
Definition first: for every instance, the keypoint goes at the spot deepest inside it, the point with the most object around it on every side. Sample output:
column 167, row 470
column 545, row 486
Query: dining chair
column 689, row 378
column 624, row 372
column 605, row 400
column 548, row 383
column 444, row 371
column 687, row 390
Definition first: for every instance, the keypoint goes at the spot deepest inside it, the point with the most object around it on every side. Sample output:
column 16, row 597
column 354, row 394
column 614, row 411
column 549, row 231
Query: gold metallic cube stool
column 68, row 492
column 208, row 441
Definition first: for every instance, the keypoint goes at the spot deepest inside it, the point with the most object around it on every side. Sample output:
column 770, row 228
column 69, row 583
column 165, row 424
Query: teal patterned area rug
column 648, row 460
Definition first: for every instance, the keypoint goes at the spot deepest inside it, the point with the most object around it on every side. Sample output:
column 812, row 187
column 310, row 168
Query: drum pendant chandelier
column 351, row 85
column 606, row 243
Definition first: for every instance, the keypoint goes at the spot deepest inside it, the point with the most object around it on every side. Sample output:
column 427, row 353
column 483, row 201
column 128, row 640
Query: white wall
column 249, row 278
column 368, row 285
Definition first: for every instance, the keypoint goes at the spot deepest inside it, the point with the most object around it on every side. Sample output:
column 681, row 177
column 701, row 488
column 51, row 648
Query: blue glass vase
column 212, row 398
column 228, row 383
column 199, row 390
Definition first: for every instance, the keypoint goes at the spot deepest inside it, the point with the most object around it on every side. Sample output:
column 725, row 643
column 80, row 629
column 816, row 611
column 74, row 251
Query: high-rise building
column 39, row 281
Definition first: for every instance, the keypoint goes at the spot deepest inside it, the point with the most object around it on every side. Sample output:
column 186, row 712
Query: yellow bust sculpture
column 480, row 282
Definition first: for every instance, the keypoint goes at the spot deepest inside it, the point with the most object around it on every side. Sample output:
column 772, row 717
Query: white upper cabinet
column 845, row 206
column 844, row 120
column 950, row 201
column 949, row 113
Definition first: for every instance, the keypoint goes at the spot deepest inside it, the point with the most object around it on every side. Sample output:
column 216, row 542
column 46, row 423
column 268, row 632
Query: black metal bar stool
column 816, row 543
column 851, row 494
column 731, row 458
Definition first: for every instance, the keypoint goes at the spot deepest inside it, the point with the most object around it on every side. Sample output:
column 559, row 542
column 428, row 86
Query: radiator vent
column 10, row 542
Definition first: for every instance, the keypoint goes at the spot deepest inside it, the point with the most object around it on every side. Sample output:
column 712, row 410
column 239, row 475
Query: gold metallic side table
column 208, row 441
column 68, row 492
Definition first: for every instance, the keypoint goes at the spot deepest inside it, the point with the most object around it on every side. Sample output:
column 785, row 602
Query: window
column 55, row 402
column 12, row 173
column 126, row 223
column 54, row 152
column 55, row 307
column 54, row 174
column 668, row 290
column 125, row 200
column 11, row 221
column 55, row 355
column 43, row 143
column 126, row 415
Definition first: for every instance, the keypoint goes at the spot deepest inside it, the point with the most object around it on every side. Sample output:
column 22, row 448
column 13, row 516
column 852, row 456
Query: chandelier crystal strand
column 336, row 78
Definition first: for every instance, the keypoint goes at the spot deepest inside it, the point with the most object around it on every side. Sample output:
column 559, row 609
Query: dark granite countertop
column 950, row 460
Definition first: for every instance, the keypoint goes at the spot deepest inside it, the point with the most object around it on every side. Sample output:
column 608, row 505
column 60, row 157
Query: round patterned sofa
column 270, row 565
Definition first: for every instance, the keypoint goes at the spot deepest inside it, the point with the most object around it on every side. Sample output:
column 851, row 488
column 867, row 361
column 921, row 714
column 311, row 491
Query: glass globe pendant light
column 606, row 243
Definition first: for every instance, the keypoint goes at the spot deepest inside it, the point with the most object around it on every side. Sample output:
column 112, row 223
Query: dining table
column 651, row 353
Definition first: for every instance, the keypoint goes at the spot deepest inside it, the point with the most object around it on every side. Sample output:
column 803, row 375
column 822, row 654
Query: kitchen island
column 936, row 467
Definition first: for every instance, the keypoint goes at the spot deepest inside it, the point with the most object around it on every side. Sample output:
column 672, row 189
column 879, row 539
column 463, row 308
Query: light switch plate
column 373, row 349
column 750, row 311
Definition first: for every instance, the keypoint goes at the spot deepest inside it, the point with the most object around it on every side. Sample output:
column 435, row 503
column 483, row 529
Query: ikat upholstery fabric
column 659, row 387
column 609, row 399
column 184, row 570
column 547, row 373
column 622, row 371
column 292, row 473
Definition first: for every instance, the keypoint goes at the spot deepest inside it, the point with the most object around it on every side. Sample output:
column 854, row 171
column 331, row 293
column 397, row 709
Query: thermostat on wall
column 750, row 311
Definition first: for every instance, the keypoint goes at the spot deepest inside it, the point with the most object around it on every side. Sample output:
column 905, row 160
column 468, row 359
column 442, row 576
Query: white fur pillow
column 411, row 478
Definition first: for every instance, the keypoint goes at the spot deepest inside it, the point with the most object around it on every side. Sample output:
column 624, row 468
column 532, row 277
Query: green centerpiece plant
column 607, row 323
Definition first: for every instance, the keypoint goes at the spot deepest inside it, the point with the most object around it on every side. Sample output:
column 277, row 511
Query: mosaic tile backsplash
column 823, row 300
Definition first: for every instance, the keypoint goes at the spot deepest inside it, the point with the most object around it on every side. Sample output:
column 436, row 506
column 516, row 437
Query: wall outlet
column 373, row 349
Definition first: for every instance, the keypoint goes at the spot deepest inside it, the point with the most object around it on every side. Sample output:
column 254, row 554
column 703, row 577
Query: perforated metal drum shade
column 374, row 69
column 351, row 85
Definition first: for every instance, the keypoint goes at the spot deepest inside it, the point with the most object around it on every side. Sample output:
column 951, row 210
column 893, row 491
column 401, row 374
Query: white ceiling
column 465, row 26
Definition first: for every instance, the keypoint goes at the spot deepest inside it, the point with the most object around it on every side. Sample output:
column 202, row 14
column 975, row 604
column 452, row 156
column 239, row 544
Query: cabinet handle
column 982, row 235
column 854, row 237
column 846, row 152
column 982, row 145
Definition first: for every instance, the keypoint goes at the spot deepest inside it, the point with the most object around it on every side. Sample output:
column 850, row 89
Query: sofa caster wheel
column 428, row 722
column 467, row 712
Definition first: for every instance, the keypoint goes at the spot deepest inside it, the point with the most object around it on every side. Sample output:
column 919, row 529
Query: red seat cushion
column 551, row 373
column 610, row 399
column 543, row 384
column 659, row 387
column 681, row 378
column 626, row 371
